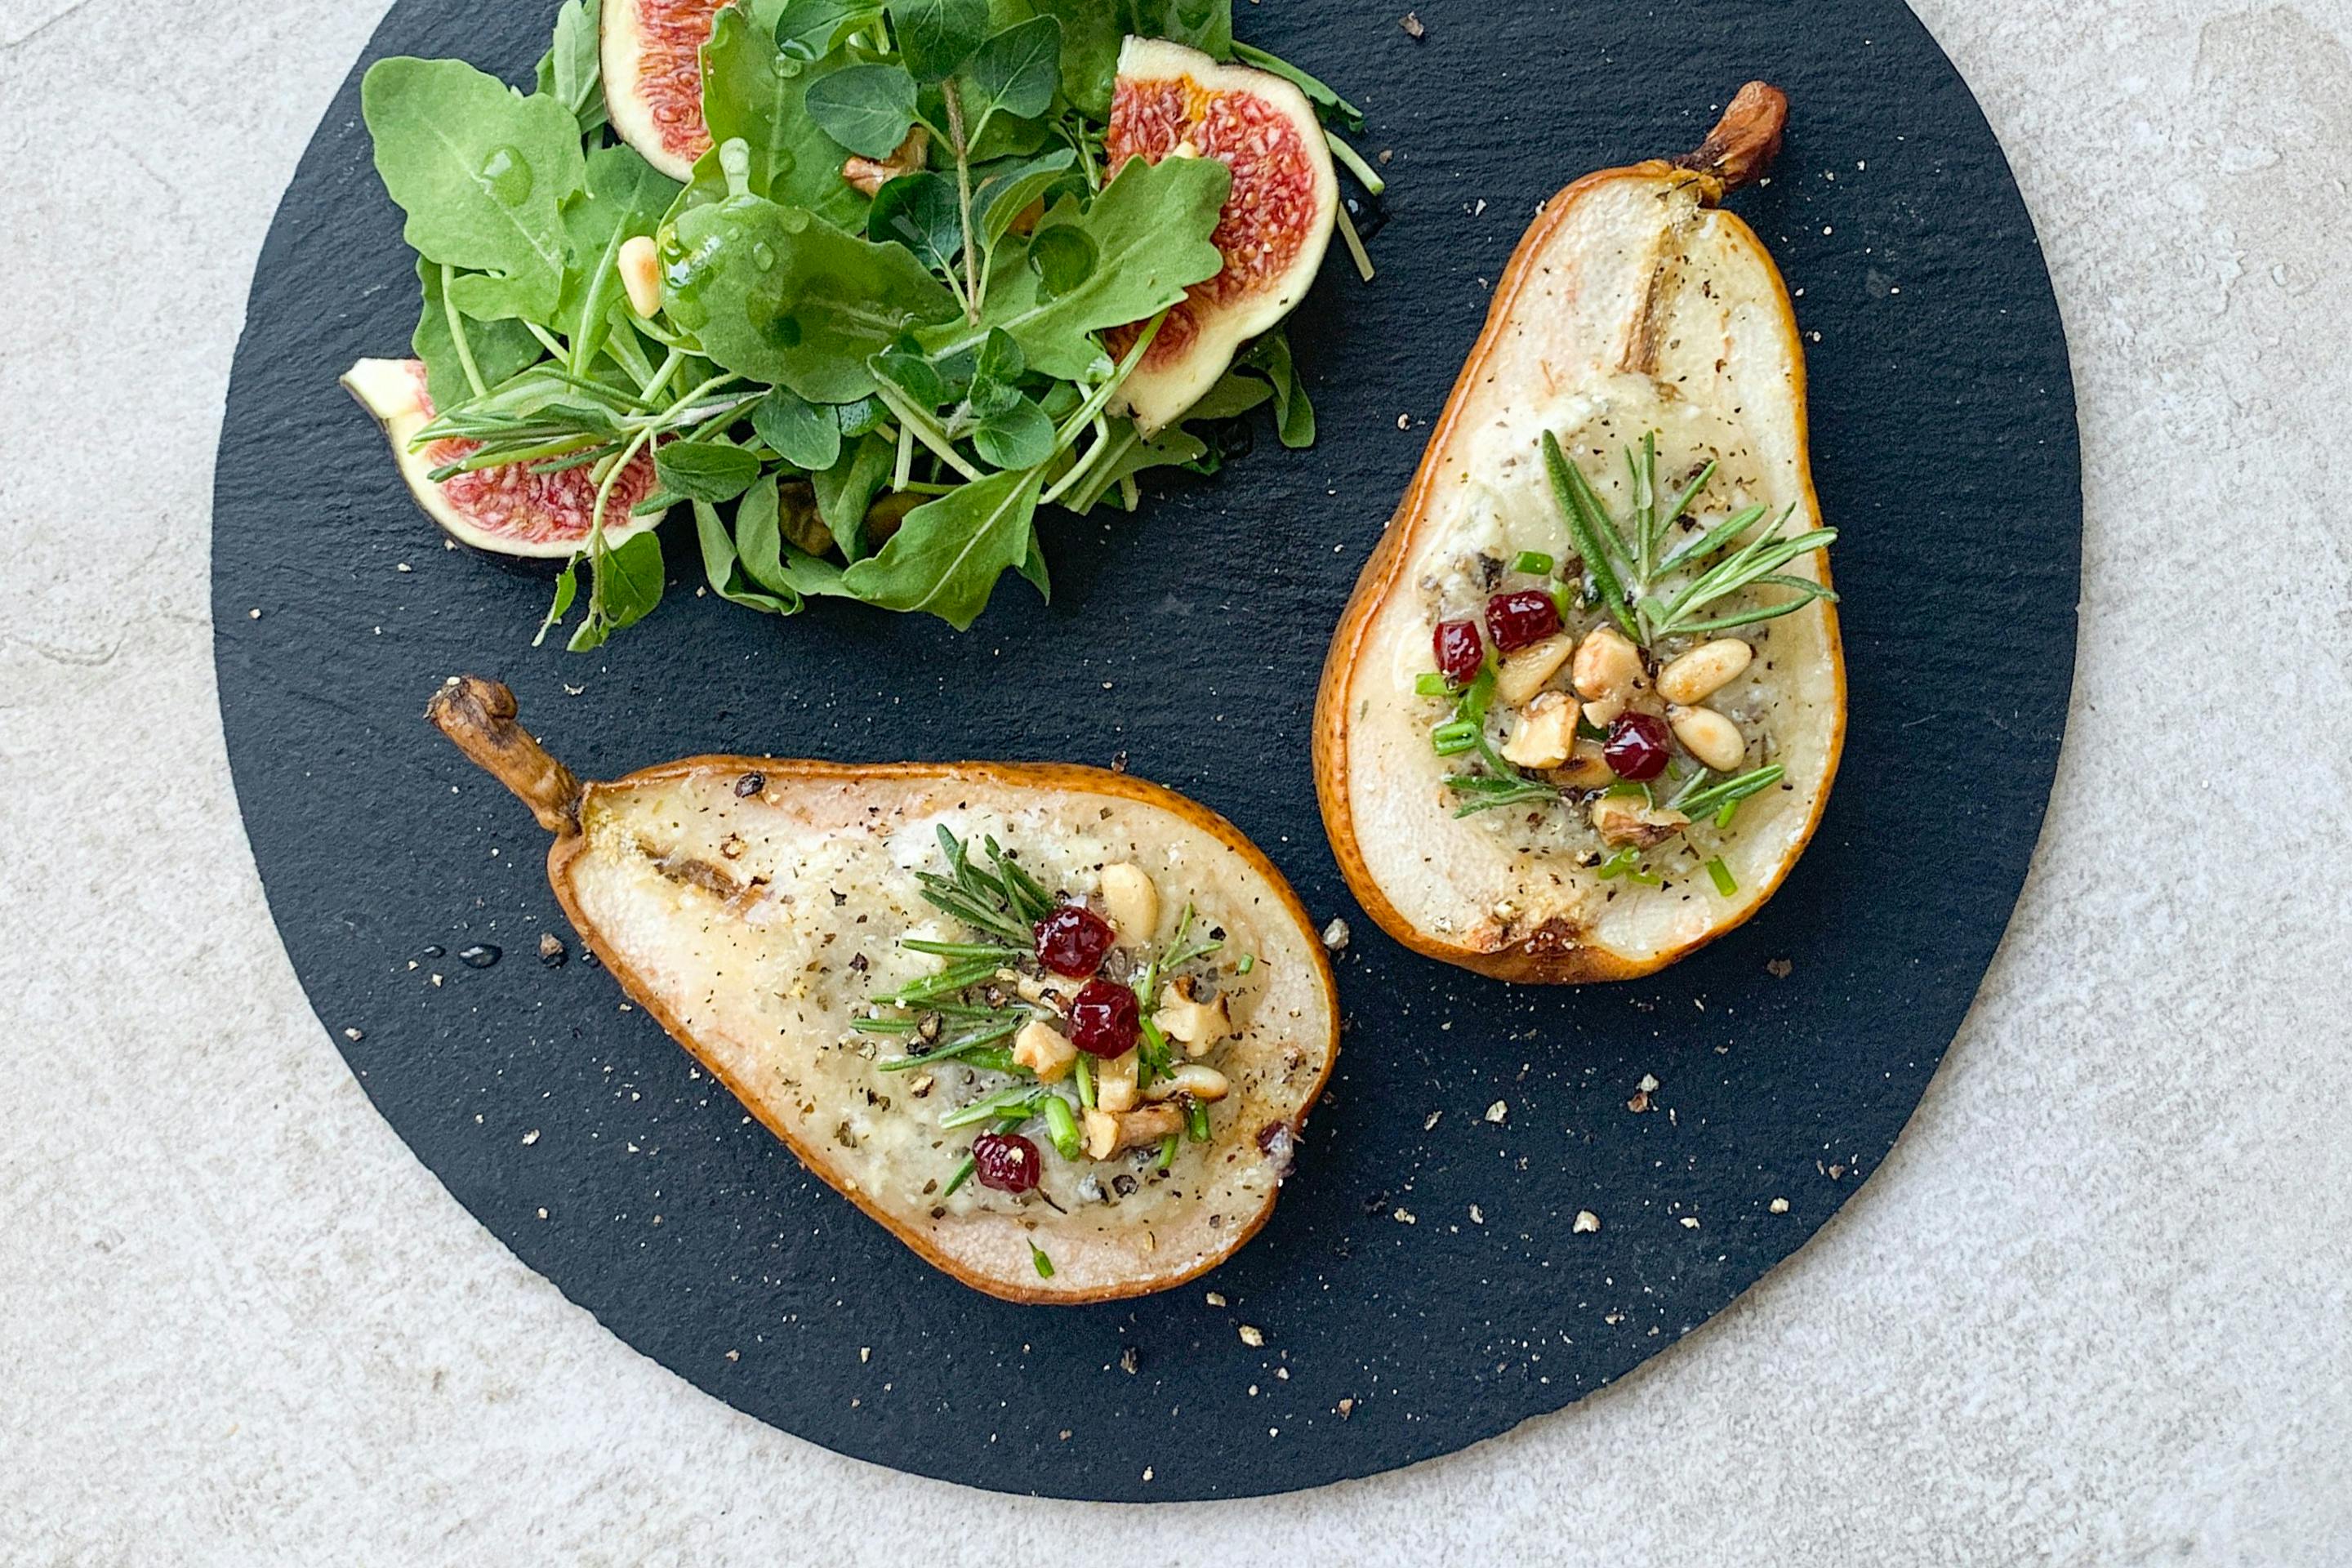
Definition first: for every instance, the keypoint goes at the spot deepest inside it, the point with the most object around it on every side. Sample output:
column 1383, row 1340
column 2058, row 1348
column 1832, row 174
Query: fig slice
column 1634, row 305
column 652, row 52
column 756, row 907
column 503, row 511
column 1170, row 100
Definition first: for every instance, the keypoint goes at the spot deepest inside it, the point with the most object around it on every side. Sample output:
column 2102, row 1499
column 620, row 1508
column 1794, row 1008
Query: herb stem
column 1099, row 399
column 1355, row 242
column 911, row 417
column 964, row 197
column 549, row 342
column 457, row 332
column 1365, row 175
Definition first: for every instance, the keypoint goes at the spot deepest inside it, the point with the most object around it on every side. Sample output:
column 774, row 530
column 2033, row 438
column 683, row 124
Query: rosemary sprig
column 1002, row 899
column 1725, row 798
column 1630, row 574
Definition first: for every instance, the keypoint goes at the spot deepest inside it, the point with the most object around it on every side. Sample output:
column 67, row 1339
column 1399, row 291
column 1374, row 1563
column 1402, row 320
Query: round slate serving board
column 1420, row 1287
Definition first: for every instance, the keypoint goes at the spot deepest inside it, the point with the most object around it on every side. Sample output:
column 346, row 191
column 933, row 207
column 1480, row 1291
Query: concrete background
column 2097, row 1309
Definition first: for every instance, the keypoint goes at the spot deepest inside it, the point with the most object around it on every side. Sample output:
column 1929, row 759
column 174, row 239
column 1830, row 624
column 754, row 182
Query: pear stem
column 480, row 716
column 1741, row 147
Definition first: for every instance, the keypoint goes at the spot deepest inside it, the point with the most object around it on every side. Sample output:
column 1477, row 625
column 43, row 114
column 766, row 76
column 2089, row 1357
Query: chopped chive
column 1044, row 1264
column 1617, row 865
column 1083, row 1071
column 1432, row 685
column 1454, row 737
column 962, row 1174
column 1723, row 817
column 1168, row 1151
column 1196, row 1121
column 1248, row 963
column 1534, row 562
column 1725, row 882
column 1062, row 1127
column 1646, row 878
column 1000, row 1103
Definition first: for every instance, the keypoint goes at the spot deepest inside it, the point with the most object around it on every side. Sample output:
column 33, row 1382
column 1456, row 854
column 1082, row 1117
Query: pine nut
column 641, row 275
column 1525, row 673
column 1704, row 671
column 1132, row 900
column 1607, row 666
column 1708, row 736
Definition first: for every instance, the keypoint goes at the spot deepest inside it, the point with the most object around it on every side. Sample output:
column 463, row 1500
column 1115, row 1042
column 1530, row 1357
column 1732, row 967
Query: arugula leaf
column 500, row 349
column 845, row 491
column 626, row 197
column 1294, row 415
column 779, row 294
column 773, row 562
column 1128, row 455
column 808, row 29
column 936, row 35
column 705, row 470
column 920, row 212
column 946, row 557
column 572, row 71
column 483, row 173
column 1015, row 71
column 628, row 584
column 750, row 93
column 867, row 108
column 805, row 435
column 1234, row 395
column 1149, row 235
column 725, row 569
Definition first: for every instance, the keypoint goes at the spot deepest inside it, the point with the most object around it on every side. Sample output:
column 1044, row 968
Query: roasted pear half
column 1056, row 1027
column 1583, row 711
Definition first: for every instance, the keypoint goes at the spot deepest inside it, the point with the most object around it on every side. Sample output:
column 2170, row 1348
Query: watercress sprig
column 950, row 335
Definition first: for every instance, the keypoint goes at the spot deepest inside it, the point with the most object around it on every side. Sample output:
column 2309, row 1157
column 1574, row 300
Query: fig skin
column 989, row 1252
column 1562, row 951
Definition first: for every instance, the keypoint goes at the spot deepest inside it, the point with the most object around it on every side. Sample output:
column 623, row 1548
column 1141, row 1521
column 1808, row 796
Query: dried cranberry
column 1460, row 651
column 1105, row 1019
column 1637, row 746
column 1522, row 619
column 1074, row 941
column 1006, row 1160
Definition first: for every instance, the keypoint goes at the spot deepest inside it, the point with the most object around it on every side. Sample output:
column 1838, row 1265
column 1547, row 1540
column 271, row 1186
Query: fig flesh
column 758, row 909
column 1170, row 100
column 652, row 54
column 508, row 509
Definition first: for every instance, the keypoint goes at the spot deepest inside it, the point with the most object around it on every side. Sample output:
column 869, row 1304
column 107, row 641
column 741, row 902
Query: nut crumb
column 1127, row 1360
column 1334, row 935
column 1404, row 1216
column 1430, row 1125
column 734, row 1355
column 1253, row 1337
column 1647, row 1085
column 1690, row 1222
column 1779, row 968
column 864, row 1354
column 1498, row 1110
column 1412, row 27
column 353, row 1035
column 1477, row 1214
column 1216, row 1297
column 1639, row 1103
column 1779, row 1205
column 531, row 1138
column 1587, row 1222
column 1347, row 1408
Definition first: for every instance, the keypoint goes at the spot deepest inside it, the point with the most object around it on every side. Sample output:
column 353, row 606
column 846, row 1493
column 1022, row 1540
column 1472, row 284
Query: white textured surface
column 2098, row 1307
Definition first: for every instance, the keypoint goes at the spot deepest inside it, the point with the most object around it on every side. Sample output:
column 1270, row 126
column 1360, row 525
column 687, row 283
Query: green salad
column 894, row 310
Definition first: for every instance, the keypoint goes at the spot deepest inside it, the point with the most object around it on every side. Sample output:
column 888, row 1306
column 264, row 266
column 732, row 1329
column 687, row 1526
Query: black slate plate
column 1189, row 637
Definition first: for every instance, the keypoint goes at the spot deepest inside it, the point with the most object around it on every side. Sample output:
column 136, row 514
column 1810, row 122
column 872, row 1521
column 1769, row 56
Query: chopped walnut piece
column 1628, row 819
column 870, row 175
